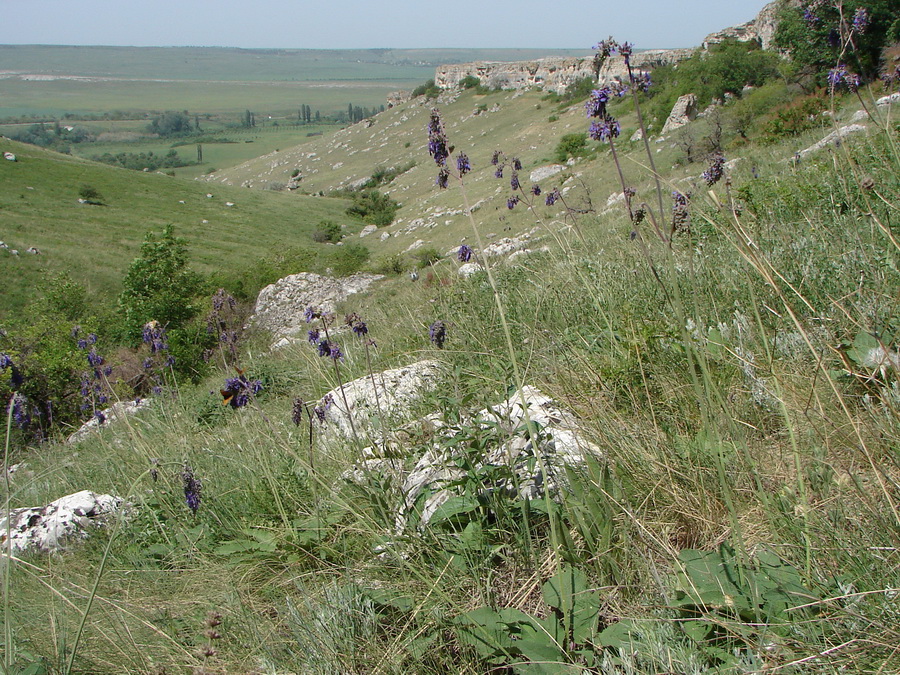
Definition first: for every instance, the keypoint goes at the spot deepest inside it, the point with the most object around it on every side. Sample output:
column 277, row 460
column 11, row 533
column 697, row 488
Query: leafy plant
column 561, row 642
column 727, row 600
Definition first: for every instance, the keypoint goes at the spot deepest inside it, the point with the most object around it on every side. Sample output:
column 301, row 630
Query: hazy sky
column 339, row 24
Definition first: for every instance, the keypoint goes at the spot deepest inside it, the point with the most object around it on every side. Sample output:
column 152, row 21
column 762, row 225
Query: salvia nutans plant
column 724, row 609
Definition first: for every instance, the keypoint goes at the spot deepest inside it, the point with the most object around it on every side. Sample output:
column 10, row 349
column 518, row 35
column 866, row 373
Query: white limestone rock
column 683, row 112
column 468, row 269
column 545, row 172
column 389, row 394
column 832, row 138
column 110, row 415
column 560, row 443
column 367, row 230
column 280, row 307
column 49, row 528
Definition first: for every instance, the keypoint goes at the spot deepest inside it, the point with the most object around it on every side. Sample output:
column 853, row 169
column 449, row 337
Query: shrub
column 795, row 118
column 327, row 231
column 391, row 265
column 469, row 81
column 426, row 256
column 159, row 285
column 429, row 90
column 90, row 194
column 570, row 145
column 374, row 207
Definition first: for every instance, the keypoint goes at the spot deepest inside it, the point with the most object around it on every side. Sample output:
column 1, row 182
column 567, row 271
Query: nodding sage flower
column 810, row 17
column 192, row 488
column 357, row 325
column 311, row 314
column 715, row 171
column 464, row 254
column 596, row 103
column 297, row 411
column 443, row 178
column 437, row 333
column 437, row 139
column 516, row 164
column 5, row 361
column 462, row 164
column 20, row 411
column 328, row 348
column 321, row 410
column 238, row 390
column 495, row 158
column 552, row 196
column 836, row 75
column 625, row 50
column 512, row 201
column 499, row 172
column 536, row 190
column 605, row 129
column 514, row 181
column 643, row 81
column 860, row 20
column 312, row 336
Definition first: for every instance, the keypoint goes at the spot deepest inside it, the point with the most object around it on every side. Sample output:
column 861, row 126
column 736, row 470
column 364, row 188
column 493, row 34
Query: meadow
column 722, row 332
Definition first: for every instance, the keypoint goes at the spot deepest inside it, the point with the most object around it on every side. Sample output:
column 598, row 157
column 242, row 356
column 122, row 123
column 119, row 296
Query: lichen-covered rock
column 833, row 138
column 523, row 468
column 389, row 394
column 108, row 416
column 684, row 111
column 48, row 528
column 280, row 307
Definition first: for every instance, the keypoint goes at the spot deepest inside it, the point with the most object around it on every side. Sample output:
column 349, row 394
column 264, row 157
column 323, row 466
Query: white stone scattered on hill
column 833, row 137
column 468, row 269
column 116, row 411
column 859, row 116
column 280, row 307
column 418, row 243
column 544, row 172
column 367, row 230
column 229, row 203
column 637, row 135
column 889, row 99
column 561, row 443
column 615, row 198
column 384, row 236
column 9, row 156
column 47, row 528
column 684, row 111
column 390, row 393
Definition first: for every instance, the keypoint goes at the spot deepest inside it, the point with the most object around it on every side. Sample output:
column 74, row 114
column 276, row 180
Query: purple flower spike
column 464, row 254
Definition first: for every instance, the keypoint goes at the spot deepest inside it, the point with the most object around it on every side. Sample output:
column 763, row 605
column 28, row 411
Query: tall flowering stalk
column 328, row 348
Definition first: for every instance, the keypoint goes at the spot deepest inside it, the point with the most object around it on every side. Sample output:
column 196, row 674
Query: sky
column 346, row 24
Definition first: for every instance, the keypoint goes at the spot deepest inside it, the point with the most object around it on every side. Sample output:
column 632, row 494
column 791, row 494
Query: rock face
column 116, row 411
column 511, row 465
column 762, row 28
column 47, row 528
column 389, row 393
column 280, row 306
column 684, row 111
column 398, row 97
column 833, row 138
column 552, row 74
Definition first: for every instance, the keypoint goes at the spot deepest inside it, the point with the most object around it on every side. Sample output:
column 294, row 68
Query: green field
column 39, row 208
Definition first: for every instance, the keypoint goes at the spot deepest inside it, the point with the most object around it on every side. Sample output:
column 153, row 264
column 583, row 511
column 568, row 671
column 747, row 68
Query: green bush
column 469, row 81
column 426, row 256
column 570, row 145
column 159, row 286
column 391, row 265
column 327, row 231
column 429, row 90
column 374, row 207
column 90, row 194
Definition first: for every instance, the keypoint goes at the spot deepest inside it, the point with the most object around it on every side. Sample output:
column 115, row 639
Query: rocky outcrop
column 833, row 138
column 762, row 28
column 388, row 395
column 552, row 74
column 280, row 306
column 49, row 528
column 396, row 98
column 116, row 411
column 513, row 466
column 684, row 111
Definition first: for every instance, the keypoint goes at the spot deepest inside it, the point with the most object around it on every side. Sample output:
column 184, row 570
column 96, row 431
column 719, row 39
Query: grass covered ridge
column 736, row 365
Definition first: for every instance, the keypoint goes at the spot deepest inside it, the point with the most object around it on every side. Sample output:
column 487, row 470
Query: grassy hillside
column 39, row 206
column 735, row 364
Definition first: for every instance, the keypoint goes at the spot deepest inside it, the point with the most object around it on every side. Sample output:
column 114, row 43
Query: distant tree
column 170, row 124
column 159, row 285
column 90, row 195
column 318, row 116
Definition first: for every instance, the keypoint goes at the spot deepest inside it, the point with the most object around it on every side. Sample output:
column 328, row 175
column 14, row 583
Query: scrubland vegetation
column 727, row 340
